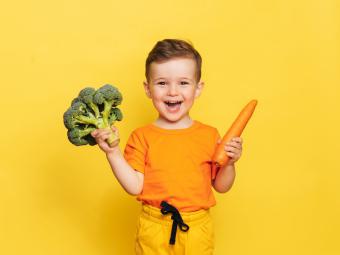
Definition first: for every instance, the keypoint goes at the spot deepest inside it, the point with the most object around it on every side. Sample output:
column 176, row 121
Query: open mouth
column 173, row 106
column 172, row 103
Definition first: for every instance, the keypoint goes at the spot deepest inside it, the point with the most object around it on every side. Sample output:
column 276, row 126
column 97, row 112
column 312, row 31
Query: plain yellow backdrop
column 57, row 198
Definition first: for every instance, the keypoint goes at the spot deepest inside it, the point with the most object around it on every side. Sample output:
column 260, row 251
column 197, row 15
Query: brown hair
column 172, row 48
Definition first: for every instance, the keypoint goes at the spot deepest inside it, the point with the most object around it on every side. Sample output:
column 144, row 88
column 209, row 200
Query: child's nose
column 173, row 89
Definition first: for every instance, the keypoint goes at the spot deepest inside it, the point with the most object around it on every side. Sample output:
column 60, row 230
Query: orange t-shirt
column 176, row 164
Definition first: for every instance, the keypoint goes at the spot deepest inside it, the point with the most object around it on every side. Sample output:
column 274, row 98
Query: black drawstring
column 177, row 220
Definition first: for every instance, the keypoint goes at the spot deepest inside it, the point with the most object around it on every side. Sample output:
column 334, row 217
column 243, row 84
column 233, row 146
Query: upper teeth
column 172, row 102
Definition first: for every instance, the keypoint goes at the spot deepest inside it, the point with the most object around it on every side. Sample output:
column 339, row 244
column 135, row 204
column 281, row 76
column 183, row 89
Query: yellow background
column 57, row 198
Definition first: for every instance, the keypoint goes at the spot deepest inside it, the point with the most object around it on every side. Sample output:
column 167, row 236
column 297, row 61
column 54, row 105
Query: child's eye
column 161, row 83
column 184, row 83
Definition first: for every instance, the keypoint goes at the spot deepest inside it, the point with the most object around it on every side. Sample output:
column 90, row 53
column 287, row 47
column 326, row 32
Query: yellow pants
column 154, row 230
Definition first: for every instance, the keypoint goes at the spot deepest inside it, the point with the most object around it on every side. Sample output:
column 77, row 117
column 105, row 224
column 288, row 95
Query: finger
column 103, row 136
column 231, row 154
column 94, row 133
column 234, row 144
column 115, row 130
column 219, row 141
column 104, row 145
column 98, row 131
column 231, row 149
column 237, row 139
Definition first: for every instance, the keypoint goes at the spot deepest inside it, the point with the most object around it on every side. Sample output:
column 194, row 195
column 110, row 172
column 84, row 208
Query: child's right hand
column 101, row 135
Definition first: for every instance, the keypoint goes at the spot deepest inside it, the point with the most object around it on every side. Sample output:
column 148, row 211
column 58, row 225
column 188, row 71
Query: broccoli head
column 93, row 109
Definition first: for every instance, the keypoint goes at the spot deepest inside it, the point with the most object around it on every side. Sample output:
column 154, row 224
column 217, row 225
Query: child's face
column 173, row 88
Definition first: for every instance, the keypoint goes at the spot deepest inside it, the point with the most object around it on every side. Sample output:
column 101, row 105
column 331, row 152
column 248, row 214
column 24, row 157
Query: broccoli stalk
column 91, row 110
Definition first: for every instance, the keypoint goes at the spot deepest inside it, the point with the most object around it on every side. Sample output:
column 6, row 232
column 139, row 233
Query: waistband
column 191, row 218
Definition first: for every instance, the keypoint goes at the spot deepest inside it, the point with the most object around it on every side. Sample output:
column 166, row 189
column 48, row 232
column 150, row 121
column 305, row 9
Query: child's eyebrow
column 181, row 78
column 159, row 78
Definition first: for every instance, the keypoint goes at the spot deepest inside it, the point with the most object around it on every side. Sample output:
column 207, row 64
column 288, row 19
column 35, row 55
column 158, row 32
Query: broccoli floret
column 86, row 95
column 115, row 115
column 107, row 97
column 81, row 136
column 91, row 110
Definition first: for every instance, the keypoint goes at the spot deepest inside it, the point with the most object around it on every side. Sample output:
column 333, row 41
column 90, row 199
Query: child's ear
column 199, row 89
column 147, row 89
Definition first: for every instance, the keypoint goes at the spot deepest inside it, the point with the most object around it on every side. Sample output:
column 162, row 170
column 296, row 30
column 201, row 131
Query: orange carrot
column 220, row 157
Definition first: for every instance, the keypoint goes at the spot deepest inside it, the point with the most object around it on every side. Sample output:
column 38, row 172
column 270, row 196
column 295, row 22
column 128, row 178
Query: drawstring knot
column 177, row 220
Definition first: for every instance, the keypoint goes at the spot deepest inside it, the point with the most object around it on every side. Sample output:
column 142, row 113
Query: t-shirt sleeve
column 135, row 151
column 216, row 138
column 216, row 135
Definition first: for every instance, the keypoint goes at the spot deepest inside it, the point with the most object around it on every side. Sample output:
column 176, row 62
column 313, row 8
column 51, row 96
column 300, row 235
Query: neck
column 183, row 123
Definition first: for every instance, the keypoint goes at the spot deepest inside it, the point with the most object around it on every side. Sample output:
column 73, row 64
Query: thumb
column 115, row 130
column 219, row 141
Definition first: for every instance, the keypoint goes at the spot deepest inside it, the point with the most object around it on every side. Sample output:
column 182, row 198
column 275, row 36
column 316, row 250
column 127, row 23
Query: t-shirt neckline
column 194, row 125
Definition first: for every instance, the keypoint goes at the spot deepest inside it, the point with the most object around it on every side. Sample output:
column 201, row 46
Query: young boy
column 167, row 163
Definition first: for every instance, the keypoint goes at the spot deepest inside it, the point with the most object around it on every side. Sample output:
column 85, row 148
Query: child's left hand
column 233, row 148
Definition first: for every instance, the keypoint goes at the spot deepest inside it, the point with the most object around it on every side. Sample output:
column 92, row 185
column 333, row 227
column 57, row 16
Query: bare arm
column 130, row 179
column 224, row 179
column 226, row 175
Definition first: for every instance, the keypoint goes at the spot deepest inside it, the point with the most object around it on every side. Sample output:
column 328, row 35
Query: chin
column 174, row 118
